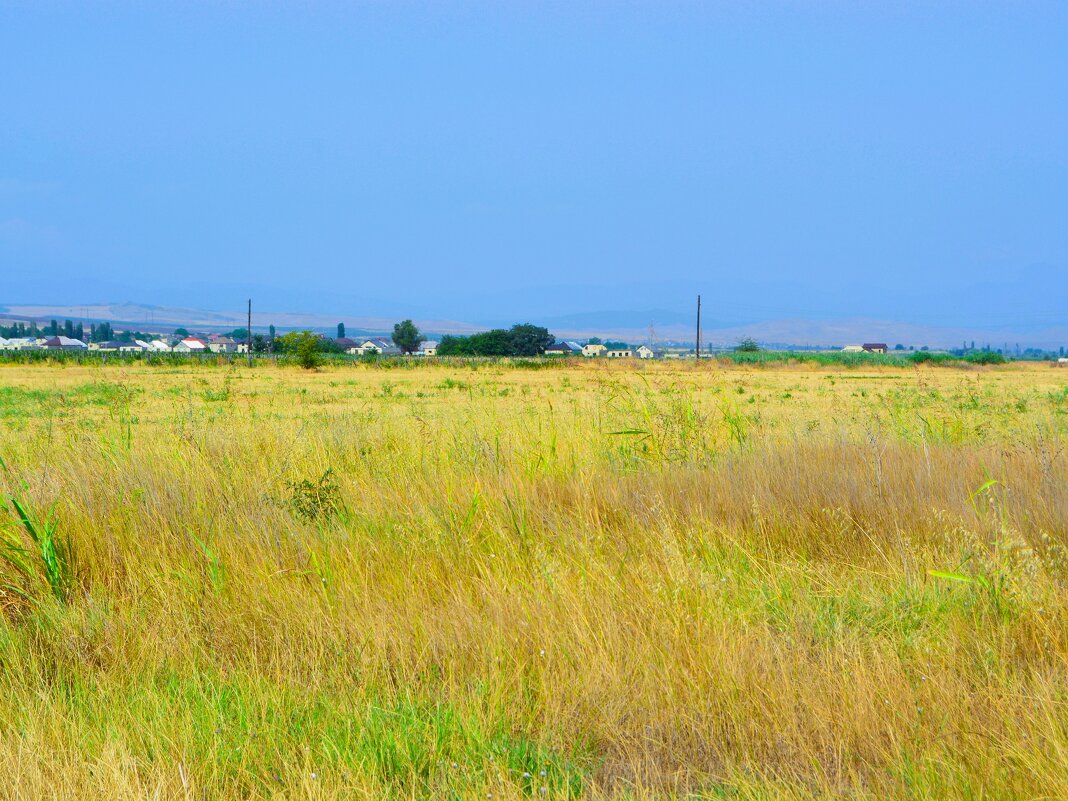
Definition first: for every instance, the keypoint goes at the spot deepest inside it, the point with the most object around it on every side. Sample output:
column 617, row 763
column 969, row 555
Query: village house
column 381, row 347
column 19, row 343
column 427, row 348
column 619, row 353
column 593, row 349
column 563, row 349
column 221, row 344
column 191, row 345
column 118, row 346
column 63, row 343
column 875, row 347
column 645, row 352
column 227, row 345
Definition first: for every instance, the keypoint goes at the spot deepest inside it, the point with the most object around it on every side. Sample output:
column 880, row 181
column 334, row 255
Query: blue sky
column 498, row 161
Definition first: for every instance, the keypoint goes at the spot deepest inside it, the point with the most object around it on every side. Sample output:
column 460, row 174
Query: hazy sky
column 489, row 161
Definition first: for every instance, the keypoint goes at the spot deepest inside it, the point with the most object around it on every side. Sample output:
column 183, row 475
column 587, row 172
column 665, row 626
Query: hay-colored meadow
column 587, row 581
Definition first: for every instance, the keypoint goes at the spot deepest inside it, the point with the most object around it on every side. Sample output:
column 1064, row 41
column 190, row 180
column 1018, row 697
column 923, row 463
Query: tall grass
column 694, row 582
column 42, row 562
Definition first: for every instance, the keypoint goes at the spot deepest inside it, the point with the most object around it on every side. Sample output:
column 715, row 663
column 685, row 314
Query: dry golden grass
column 595, row 581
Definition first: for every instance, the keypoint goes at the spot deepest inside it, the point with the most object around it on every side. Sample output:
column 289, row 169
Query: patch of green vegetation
column 255, row 736
column 19, row 401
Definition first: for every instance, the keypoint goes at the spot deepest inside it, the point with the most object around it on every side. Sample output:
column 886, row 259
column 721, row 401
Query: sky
column 518, row 160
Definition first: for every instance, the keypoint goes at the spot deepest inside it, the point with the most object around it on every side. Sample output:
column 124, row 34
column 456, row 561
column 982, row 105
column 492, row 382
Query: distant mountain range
column 632, row 326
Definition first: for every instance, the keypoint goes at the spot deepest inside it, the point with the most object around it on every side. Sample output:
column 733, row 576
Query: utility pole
column 698, row 349
column 248, row 333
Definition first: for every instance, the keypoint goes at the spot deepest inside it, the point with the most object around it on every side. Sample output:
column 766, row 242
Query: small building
column 380, row 347
column 428, row 348
column 191, row 345
column 19, row 343
column 875, row 347
column 116, row 346
column 562, row 349
column 619, row 353
column 645, row 352
column 63, row 343
column 159, row 346
column 222, row 344
column 853, row 349
column 593, row 350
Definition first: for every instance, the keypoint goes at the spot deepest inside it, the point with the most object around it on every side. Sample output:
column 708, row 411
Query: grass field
column 586, row 581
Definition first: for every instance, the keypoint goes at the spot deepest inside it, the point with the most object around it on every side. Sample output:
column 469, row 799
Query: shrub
column 312, row 500
column 985, row 357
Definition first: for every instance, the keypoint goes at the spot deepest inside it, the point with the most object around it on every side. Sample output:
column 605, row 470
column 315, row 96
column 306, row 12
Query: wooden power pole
column 248, row 333
column 698, row 349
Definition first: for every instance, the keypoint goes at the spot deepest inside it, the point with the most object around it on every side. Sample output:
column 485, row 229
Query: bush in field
column 747, row 345
column 304, row 346
column 311, row 500
column 307, row 352
column 985, row 357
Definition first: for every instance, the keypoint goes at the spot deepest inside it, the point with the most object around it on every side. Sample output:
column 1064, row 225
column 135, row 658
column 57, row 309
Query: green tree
column 406, row 336
column 304, row 346
column 180, row 332
column 340, row 330
column 453, row 346
column 594, row 341
column 68, row 329
column 53, row 328
column 529, row 340
column 747, row 345
column 79, row 331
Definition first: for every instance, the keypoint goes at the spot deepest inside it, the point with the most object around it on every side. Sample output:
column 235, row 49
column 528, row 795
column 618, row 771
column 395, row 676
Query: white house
column 191, row 345
column 427, row 348
column 22, row 343
column 593, row 349
column 619, row 353
column 115, row 345
column 158, row 346
column 644, row 352
column 853, row 349
column 378, row 346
